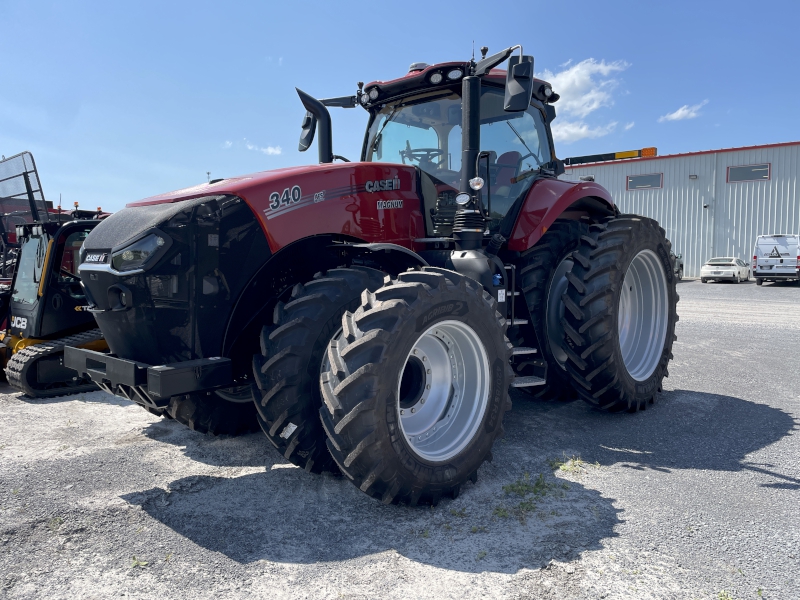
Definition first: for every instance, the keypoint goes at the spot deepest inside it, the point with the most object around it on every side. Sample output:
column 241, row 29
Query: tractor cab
column 424, row 130
column 491, row 145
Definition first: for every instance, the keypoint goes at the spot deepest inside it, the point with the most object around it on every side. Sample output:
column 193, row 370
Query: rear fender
column 550, row 199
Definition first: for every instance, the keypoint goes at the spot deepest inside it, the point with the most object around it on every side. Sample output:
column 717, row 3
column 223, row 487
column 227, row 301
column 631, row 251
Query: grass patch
column 138, row 563
column 481, row 555
column 478, row 529
column 54, row 523
column 500, row 511
column 458, row 513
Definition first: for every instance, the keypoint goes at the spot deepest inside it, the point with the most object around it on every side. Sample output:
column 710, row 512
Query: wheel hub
column 643, row 315
column 443, row 390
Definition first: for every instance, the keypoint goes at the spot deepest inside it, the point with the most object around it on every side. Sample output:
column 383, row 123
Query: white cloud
column 629, row 125
column 572, row 131
column 684, row 112
column 584, row 87
column 268, row 150
column 226, row 144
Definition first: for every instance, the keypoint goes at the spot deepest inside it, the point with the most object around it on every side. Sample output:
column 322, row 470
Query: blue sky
column 120, row 101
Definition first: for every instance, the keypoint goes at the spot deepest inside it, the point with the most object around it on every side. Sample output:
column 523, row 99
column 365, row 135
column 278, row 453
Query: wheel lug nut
column 415, row 350
column 413, row 410
column 427, row 387
column 422, row 401
column 402, row 412
column 429, row 371
column 424, row 358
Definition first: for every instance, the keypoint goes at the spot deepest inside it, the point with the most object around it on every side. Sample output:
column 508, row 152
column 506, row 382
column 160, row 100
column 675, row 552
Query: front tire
column 620, row 313
column 208, row 412
column 405, row 426
column 759, row 281
column 680, row 273
column 287, row 370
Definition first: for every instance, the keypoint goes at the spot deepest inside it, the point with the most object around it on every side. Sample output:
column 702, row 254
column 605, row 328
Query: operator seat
column 507, row 168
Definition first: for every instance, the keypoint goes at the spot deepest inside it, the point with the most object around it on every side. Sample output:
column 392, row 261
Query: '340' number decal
column 289, row 196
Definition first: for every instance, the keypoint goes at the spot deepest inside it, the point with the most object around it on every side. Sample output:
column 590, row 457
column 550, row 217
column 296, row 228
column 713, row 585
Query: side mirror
column 309, row 129
column 519, row 83
column 550, row 110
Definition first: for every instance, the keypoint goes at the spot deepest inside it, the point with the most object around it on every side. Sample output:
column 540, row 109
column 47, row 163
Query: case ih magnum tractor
column 371, row 316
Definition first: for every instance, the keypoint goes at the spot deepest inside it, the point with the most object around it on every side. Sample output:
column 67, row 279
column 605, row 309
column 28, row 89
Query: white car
column 725, row 269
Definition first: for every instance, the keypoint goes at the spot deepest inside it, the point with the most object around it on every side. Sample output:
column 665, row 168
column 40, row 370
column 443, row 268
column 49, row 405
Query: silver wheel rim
column 643, row 315
column 554, row 311
column 443, row 390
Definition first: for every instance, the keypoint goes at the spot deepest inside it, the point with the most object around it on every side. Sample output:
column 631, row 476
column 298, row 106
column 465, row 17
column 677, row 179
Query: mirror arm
column 325, row 140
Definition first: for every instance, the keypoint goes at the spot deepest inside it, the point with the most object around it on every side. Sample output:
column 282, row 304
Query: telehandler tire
column 416, row 386
column 542, row 273
column 287, row 370
column 620, row 315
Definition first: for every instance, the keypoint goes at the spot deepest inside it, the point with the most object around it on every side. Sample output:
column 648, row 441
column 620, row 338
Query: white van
column 776, row 258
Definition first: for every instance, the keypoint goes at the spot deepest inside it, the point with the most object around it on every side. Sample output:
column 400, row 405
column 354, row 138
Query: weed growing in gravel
column 575, row 464
column 478, row 529
column 501, row 511
column 523, row 486
column 425, row 533
column 723, row 595
column 54, row 523
column 458, row 513
column 481, row 554
column 167, row 557
column 138, row 563
column 15, row 492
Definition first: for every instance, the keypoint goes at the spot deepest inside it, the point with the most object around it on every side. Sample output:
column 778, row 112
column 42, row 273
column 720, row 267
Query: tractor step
column 529, row 381
column 523, row 350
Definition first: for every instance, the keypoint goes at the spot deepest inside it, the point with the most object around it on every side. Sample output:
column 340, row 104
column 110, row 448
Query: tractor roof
column 419, row 78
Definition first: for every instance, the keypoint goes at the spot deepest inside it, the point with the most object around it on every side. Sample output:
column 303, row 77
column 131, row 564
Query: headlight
column 137, row 254
column 462, row 199
column 455, row 74
column 373, row 94
column 364, row 99
column 436, row 78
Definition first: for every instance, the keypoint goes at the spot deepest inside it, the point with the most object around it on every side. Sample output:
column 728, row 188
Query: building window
column 645, row 182
column 749, row 173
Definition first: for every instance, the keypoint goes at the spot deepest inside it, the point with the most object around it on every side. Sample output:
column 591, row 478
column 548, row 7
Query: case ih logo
column 96, row 258
column 383, row 185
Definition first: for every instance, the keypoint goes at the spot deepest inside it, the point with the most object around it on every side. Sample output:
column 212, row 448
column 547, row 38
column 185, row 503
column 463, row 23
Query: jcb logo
column 19, row 322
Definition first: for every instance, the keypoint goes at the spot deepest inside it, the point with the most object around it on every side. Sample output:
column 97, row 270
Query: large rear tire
column 620, row 313
column 416, row 387
column 543, row 278
column 288, row 368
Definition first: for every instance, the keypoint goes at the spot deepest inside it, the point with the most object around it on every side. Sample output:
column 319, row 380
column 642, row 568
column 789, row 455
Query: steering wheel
column 420, row 154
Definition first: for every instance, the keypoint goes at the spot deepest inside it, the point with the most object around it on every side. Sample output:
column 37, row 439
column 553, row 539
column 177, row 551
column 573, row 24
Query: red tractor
column 371, row 316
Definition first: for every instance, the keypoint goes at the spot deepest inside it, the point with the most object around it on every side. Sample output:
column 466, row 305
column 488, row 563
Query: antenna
column 208, row 174
column 473, row 50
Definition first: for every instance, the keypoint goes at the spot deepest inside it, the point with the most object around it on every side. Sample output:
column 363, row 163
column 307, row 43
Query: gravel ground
column 697, row 497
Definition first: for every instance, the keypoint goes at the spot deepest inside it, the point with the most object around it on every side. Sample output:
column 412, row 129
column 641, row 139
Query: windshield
column 29, row 271
column 425, row 131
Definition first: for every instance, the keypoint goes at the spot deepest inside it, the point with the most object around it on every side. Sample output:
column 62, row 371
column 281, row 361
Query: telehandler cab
column 42, row 305
column 371, row 316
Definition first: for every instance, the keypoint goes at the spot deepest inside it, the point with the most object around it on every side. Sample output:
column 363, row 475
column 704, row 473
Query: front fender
column 549, row 199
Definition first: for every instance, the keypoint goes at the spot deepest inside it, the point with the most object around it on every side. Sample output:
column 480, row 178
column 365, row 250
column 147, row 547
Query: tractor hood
column 367, row 201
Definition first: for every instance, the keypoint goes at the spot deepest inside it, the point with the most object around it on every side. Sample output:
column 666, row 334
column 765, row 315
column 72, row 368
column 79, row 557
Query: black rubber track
column 287, row 371
column 360, row 411
column 21, row 369
column 535, row 270
column 208, row 413
column 590, row 320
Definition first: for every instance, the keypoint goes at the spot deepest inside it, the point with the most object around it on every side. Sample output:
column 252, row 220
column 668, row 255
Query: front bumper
column 145, row 384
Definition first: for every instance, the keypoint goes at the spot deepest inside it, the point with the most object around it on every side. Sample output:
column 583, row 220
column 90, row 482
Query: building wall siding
column 736, row 213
